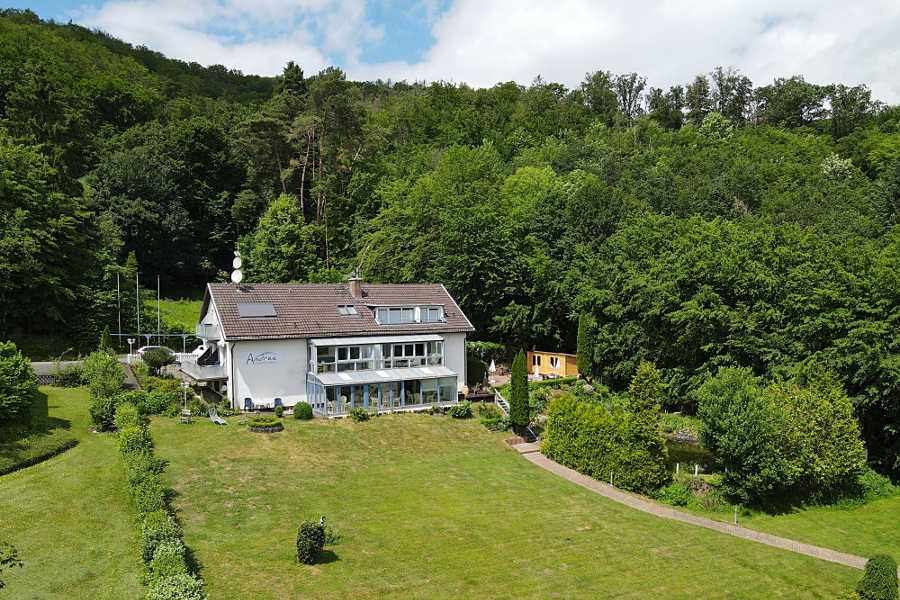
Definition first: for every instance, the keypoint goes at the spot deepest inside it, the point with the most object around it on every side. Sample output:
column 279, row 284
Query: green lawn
column 864, row 530
column 430, row 507
column 23, row 451
column 183, row 313
column 69, row 517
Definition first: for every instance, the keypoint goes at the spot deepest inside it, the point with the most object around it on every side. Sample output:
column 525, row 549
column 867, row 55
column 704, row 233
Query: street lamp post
column 130, row 344
column 185, row 385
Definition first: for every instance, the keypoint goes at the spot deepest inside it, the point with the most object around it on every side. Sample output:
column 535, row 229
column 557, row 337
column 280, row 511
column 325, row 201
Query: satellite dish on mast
column 236, row 275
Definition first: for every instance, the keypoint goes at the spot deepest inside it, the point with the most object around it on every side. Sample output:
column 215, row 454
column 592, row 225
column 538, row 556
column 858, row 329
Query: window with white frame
column 379, row 356
column 554, row 362
column 405, row 315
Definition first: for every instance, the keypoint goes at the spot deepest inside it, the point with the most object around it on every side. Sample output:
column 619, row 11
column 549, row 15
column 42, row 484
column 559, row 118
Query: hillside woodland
column 717, row 223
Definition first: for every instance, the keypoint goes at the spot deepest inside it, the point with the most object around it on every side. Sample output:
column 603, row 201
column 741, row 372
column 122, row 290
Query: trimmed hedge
column 168, row 560
column 177, row 587
column 158, row 528
column 127, row 416
column 590, row 439
column 310, row 541
column 879, row 581
column 264, row 424
column 162, row 547
column 303, row 410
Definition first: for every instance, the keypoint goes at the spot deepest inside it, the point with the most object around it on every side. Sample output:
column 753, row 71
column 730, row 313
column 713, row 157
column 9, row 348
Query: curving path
column 532, row 453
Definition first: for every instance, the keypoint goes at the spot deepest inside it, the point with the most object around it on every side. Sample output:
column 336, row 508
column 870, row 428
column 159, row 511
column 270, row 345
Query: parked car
column 143, row 349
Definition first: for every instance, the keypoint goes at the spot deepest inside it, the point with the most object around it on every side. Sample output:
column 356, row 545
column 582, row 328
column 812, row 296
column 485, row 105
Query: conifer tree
column 106, row 343
column 518, row 396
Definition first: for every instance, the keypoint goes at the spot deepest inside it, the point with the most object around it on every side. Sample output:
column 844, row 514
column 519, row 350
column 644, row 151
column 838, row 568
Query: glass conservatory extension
column 378, row 374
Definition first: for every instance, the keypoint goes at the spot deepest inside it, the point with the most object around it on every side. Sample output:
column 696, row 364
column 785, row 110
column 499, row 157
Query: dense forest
column 715, row 223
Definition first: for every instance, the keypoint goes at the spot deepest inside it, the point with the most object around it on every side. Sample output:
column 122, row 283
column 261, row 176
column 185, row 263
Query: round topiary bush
column 302, row 410
column 310, row 541
column 879, row 581
column 279, row 411
column 264, row 424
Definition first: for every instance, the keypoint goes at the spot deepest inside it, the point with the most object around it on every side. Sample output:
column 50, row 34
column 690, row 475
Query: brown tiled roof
column 310, row 309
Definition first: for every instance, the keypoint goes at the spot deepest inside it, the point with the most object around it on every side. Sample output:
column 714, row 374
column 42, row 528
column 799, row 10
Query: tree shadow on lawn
column 326, row 557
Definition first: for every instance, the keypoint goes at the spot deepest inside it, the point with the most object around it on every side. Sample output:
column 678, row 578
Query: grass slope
column 183, row 313
column 69, row 518
column 430, row 507
column 865, row 530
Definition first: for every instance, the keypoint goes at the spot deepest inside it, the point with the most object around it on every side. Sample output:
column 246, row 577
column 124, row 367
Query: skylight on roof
column 347, row 309
column 249, row 310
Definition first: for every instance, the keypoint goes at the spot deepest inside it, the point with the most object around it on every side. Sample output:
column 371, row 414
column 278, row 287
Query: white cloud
column 482, row 43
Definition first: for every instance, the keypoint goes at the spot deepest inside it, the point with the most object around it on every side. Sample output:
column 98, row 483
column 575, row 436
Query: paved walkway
column 532, row 453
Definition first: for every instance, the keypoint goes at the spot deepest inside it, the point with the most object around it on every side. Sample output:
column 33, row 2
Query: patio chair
column 185, row 416
column 248, row 404
column 215, row 418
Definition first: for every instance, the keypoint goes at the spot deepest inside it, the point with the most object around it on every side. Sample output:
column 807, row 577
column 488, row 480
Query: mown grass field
column 70, row 519
column 430, row 507
column 865, row 530
column 183, row 313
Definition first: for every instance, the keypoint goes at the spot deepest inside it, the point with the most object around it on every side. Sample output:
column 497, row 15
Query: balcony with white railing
column 199, row 372
column 207, row 332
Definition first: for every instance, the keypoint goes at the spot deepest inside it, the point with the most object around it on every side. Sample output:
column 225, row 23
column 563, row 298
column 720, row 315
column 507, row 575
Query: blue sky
column 482, row 42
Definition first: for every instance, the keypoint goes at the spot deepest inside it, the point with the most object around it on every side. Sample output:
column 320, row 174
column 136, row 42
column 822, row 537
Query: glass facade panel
column 429, row 391
column 448, row 389
column 412, row 391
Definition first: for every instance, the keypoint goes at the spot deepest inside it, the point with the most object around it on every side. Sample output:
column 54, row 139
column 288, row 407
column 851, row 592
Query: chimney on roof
column 355, row 285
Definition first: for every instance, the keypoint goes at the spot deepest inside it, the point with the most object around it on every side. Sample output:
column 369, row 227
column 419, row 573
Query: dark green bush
column 279, row 411
column 103, row 412
column 675, row 494
column 18, row 384
column 463, row 410
column 588, row 438
column 176, row 587
column 104, row 375
column 168, row 560
column 157, row 358
column 302, row 410
column 879, row 581
column 127, row 416
column 310, row 541
column 359, row 414
column 198, row 406
column 157, row 402
column 158, row 527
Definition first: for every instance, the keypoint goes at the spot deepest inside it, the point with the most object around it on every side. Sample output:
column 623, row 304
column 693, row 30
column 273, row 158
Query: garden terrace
column 447, row 500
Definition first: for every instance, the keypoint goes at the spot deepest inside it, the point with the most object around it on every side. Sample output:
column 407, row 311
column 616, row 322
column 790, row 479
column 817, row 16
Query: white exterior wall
column 263, row 382
column 455, row 356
